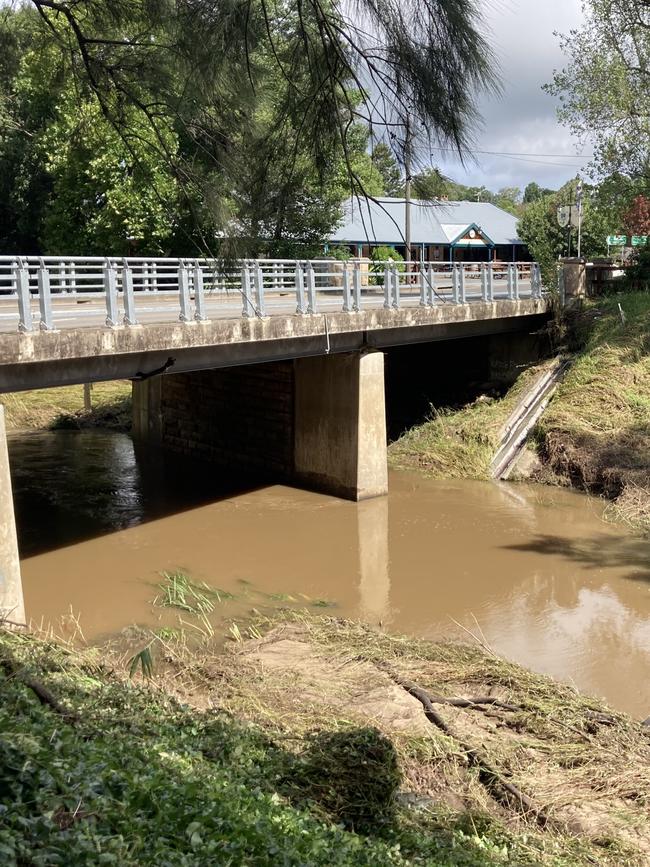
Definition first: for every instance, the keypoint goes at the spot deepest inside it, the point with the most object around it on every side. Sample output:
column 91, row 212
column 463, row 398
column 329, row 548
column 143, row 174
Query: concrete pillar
column 340, row 424
column 146, row 409
column 573, row 280
column 12, row 605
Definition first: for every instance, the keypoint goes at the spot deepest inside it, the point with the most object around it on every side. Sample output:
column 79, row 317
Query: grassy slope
column 458, row 443
column 595, row 434
column 64, row 407
column 133, row 777
column 596, row 431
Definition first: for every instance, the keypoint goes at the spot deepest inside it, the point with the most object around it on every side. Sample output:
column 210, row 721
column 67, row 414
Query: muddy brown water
column 535, row 570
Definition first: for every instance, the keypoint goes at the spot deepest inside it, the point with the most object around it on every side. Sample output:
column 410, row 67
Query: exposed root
column 501, row 789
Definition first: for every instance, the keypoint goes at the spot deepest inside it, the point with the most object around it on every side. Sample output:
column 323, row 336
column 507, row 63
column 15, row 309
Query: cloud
column 522, row 119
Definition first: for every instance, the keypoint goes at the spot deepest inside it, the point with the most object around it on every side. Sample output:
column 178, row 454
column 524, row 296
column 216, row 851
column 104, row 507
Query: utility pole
column 579, row 206
column 407, row 195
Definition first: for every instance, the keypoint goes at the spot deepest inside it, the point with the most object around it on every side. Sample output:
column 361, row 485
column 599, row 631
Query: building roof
column 440, row 222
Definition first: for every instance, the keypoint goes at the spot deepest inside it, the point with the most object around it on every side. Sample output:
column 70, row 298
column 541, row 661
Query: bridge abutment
column 12, row 605
column 317, row 421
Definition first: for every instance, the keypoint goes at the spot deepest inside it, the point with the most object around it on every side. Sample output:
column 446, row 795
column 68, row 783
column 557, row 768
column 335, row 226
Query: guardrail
column 195, row 290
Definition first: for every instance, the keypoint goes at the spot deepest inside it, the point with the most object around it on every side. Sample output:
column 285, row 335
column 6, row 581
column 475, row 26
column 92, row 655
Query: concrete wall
column 12, row 606
column 240, row 418
column 319, row 422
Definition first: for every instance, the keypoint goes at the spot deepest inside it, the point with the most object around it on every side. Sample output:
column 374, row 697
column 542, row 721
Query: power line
column 522, row 157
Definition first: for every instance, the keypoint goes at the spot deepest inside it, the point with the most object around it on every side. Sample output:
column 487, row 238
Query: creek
column 533, row 571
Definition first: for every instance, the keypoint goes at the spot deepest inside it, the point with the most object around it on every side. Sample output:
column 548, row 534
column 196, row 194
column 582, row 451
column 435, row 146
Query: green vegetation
column 304, row 758
column 64, row 407
column 459, row 443
column 596, row 431
column 595, row 434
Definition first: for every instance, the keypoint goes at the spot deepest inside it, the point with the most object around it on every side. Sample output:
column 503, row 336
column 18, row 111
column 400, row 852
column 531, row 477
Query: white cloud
column 522, row 119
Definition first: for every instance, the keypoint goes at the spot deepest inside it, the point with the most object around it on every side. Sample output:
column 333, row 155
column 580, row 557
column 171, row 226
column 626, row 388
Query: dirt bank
column 490, row 763
column 595, row 434
column 50, row 408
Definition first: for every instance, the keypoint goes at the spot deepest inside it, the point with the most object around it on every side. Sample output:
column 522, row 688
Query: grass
column 596, row 431
column 273, row 765
column 595, row 434
column 49, row 408
column 459, row 443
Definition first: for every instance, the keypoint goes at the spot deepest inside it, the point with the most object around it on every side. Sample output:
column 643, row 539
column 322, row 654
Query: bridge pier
column 12, row 605
column 318, row 421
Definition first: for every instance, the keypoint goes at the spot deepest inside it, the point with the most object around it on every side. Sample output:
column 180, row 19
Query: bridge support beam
column 340, row 424
column 12, row 605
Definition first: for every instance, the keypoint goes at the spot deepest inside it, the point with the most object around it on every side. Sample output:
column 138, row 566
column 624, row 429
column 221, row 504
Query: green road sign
column 616, row 240
column 639, row 240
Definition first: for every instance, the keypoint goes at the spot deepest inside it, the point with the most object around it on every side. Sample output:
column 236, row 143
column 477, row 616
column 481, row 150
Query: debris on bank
column 315, row 741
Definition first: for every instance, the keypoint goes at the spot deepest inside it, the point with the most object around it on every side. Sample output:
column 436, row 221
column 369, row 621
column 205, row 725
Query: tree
column 636, row 220
column 431, row 184
column 534, row 192
column 603, row 91
column 547, row 241
column 385, row 163
column 193, row 76
column 509, row 198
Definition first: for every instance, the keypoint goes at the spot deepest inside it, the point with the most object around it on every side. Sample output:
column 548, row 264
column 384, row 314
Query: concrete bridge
column 274, row 366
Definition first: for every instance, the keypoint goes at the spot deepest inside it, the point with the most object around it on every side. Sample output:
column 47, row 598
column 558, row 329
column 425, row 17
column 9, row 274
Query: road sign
column 616, row 240
column 639, row 240
column 564, row 216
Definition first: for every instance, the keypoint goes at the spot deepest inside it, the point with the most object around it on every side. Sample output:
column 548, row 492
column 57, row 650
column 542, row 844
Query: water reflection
column 546, row 579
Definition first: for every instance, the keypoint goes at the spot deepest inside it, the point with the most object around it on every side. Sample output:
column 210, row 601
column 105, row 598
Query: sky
column 522, row 119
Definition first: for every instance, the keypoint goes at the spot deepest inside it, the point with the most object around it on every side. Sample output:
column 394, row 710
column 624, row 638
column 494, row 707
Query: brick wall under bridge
column 320, row 421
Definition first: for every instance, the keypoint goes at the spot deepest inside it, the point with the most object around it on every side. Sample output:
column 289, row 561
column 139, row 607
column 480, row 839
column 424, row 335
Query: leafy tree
column 508, row 198
column 533, row 192
column 385, row 163
column 430, row 184
column 547, row 241
column 636, row 219
column 603, row 91
column 295, row 79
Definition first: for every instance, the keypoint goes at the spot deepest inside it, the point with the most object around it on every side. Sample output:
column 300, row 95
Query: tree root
column 501, row 789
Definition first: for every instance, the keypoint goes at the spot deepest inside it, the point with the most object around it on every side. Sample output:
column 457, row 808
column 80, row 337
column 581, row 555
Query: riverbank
column 63, row 408
column 595, row 434
column 310, row 741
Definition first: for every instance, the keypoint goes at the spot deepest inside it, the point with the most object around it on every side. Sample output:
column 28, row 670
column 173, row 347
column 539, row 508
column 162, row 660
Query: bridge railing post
column 490, row 281
column 199, row 294
column 396, row 286
column 299, row 278
column 511, row 280
column 454, row 283
column 110, row 290
column 311, row 288
column 388, row 287
column 462, row 291
column 431, row 286
column 347, row 293
column 535, row 280
column 258, row 277
column 184, row 293
column 484, row 281
column 246, row 291
column 515, row 278
column 356, row 287
column 44, row 297
column 422, row 279
column 128, row 295
column 21, row 278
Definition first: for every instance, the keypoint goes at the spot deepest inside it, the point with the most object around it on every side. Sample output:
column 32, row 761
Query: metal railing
column 51, row 292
